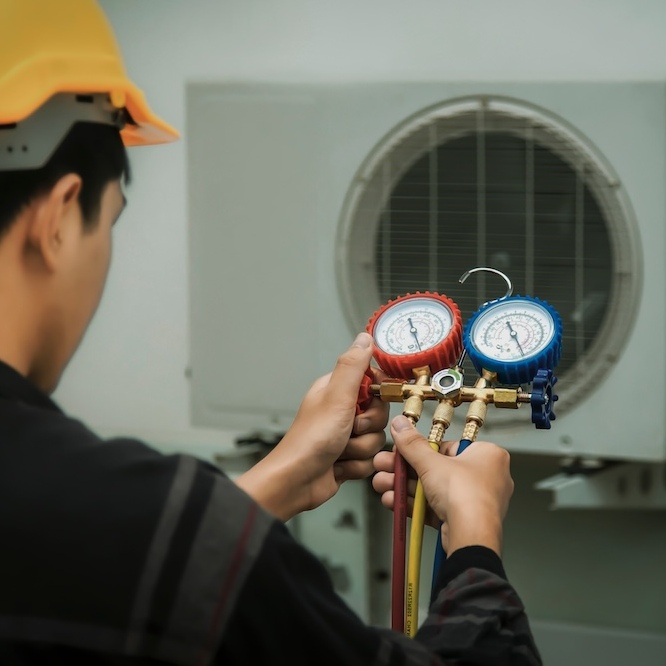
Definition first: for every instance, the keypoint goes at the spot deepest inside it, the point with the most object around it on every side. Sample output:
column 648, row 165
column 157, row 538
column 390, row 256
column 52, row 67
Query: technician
column 113, row 553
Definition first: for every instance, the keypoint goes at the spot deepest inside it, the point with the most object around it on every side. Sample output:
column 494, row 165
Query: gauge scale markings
column 513, row 335
column 408, row 328
column 416, row 333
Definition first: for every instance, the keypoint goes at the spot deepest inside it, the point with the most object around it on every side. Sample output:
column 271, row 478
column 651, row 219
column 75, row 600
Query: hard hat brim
column 21, row 98
column 147, row 128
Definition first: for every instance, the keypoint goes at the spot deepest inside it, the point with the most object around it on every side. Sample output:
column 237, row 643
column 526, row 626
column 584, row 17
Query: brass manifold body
column 424, row 387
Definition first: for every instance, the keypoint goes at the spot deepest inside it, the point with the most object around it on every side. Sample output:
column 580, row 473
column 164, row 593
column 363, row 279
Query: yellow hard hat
column 49, row 47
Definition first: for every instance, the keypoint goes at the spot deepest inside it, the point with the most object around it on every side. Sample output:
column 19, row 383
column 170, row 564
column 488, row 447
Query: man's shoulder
column 64, row 447
column 113, row 534
column 114, row 492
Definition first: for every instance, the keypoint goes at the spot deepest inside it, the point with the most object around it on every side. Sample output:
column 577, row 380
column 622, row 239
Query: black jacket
column 113, row 553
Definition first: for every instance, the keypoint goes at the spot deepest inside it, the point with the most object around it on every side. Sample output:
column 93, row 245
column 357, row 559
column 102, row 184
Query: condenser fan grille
column 478, row 183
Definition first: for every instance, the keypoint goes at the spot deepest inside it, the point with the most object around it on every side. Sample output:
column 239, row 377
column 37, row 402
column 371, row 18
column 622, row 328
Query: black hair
column 92, row 150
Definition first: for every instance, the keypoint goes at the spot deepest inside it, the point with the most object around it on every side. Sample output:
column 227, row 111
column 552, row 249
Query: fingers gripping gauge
column 416, row 330
column 514, row 337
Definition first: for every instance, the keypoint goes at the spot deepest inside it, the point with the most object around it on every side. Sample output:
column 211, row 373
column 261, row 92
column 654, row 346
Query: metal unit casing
column 270, row 171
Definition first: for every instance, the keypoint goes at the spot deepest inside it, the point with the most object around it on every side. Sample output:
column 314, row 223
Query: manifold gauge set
column 421, row 343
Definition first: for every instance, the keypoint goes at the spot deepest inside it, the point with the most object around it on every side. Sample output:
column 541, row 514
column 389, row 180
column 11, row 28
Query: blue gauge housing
column 519, row 370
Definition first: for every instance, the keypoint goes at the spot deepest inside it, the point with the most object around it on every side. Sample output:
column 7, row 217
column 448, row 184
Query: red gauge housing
column 443, row 354
column 364, row 394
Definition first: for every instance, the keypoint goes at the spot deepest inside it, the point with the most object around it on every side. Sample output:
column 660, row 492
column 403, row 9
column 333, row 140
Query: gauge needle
column 412, row 330
column 514, row 335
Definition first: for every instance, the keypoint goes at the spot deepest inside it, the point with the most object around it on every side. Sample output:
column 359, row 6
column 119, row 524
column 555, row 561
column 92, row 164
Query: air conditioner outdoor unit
column 311, row 205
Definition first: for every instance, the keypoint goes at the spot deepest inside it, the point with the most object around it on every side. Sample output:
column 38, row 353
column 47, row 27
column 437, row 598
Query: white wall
column 130, row 371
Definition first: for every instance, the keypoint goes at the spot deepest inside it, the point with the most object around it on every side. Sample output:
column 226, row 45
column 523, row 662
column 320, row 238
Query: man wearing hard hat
column 113, row 553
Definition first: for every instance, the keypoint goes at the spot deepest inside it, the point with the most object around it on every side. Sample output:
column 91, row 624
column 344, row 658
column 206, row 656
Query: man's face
column 80, row 283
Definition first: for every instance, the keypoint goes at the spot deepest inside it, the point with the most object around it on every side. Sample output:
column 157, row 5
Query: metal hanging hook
column 509, row 290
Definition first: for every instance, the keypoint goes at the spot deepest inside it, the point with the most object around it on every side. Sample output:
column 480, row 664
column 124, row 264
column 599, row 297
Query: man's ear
column 56, row 218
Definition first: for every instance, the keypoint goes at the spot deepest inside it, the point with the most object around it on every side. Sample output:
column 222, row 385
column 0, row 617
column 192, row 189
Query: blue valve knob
column 543, row 399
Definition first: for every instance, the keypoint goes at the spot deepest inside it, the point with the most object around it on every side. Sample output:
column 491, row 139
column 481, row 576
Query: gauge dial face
column 513, row 330
column 412, row 326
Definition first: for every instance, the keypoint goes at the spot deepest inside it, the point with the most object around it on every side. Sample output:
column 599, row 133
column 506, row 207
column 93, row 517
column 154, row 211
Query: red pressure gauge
column 415, row 330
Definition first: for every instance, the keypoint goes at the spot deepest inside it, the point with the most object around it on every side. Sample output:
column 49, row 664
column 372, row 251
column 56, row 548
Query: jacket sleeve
column 288, row 612
column 476, row 616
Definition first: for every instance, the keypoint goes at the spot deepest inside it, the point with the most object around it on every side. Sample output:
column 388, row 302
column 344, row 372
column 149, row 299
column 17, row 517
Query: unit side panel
column 253, row 261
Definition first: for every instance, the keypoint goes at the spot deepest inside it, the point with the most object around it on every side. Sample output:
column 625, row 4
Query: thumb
column 412, row 445
column 351, row 366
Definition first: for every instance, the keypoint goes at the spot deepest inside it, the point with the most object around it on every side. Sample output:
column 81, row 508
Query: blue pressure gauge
column 514, row 337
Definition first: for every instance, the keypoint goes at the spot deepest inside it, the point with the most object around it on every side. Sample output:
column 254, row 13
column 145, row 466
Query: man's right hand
column 469, row 493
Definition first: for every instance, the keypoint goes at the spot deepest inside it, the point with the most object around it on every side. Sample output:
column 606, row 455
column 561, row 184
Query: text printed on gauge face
column 512, row 331
column 412, row 326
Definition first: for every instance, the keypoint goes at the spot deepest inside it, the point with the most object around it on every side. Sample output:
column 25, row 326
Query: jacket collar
column 14, row 386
